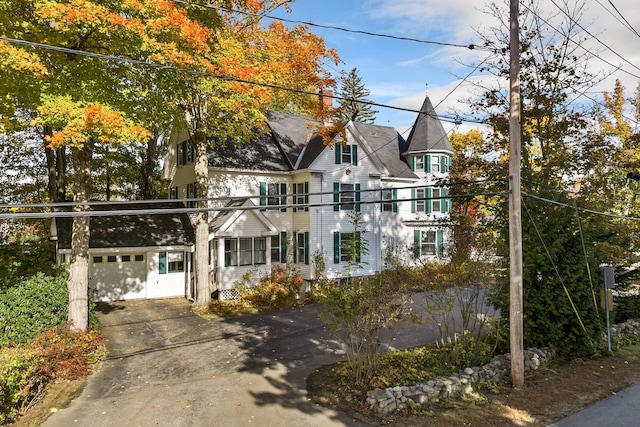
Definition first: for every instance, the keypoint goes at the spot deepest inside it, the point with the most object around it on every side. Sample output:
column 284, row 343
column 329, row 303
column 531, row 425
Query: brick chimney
column 326, row 104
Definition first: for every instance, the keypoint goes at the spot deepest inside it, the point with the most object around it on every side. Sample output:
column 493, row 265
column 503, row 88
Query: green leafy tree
column 353, row 105
column 558, row 250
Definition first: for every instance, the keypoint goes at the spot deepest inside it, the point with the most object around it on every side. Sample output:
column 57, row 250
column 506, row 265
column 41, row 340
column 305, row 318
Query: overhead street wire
column 157, row 66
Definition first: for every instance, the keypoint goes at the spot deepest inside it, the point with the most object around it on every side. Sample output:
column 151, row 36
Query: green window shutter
column 336, row 247
column 283, row 246
column 306, row 247
column 427, row 163
column 444, row 202
column 428, row 201
column 394, row 196
column 354, row 155
column 184, row 152
column 413, row 163
column 263, row 193
column 440, row 242
column 283, row 197
column 443, row 164
column 336, row 196
column 413, row 200
column 162, row 263
column 416, row 243
column 306, row 195
column 357, row 197
column 358, row 246
column 295, row 248
column 338, row 150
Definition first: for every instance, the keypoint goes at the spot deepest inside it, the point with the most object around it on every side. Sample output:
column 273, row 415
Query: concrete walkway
column 167, row 366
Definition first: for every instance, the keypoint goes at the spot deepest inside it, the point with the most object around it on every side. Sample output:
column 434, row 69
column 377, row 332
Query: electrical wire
column 214, row 75
column 177, row 210
column 336, row 28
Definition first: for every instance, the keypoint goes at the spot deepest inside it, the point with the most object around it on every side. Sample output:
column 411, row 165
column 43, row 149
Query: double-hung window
column 273, row 194
column 301, row 196
column 173, row 193
column 346, row 154
column 346, row 196
column 428, row 242
column 191, row 194
column 420, row 200
column 389, row 200
column 230, row 252
column 418, row 163
column 346, row 247
column 435, row 164
column 260, row 250
column 185, row 153
column 301, row 240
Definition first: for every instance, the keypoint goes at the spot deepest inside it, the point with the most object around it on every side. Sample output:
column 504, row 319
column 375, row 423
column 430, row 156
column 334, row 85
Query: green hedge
column 35, row 304
column 17, row 368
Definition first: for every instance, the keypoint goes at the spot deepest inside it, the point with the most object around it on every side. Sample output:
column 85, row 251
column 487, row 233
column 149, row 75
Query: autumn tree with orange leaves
column 79, row 102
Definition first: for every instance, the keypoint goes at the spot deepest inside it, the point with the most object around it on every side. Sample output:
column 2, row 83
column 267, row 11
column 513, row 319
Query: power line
column 628, row 24
column 157, row 66
column 332, row 27
column 71, row 204
column 159, row 211
column 595, row 38
column 591, row 211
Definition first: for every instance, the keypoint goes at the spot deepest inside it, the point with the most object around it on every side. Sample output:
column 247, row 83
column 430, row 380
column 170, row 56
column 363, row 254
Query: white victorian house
column 286, row 197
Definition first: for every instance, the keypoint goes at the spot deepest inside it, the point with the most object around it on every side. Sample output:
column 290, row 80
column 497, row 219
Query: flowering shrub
column 277, row 290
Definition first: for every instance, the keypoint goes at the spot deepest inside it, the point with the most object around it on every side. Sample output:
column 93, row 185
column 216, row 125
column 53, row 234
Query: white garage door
column 118, row 277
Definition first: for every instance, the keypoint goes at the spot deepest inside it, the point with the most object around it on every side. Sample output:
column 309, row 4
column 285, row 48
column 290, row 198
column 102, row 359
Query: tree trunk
column 56, row 169
column 149, row 166
column 61, row 174
column 78, row 283
column 203, row 288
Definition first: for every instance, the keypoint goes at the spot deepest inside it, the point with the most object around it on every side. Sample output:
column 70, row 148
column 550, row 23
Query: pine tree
column 354, row 105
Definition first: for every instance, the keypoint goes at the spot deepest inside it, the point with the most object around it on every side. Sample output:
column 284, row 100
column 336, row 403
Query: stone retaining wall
column 396, row 398
column 460, row 384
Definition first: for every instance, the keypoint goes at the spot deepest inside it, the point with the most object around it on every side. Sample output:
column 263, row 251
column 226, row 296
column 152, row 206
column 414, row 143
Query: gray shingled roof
column 133, row 230
column 386, row 144
column 427, row 133
column 277, row 151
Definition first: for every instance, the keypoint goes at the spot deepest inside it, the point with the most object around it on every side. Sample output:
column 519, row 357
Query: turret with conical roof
column 427, row 133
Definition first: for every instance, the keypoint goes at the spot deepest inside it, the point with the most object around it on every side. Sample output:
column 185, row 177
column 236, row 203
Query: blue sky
column 401, row 73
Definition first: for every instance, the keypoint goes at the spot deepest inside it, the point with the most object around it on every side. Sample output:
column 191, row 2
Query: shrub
column 17, row 367
column 277, row 290
column 55, row 354
column 35, row 304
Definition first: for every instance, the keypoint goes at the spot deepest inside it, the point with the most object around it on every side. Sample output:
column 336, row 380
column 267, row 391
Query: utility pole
column 515, row 213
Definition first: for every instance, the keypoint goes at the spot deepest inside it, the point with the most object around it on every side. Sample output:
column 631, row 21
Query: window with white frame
column 301, row 196
column 260, row 250
column 275, row 248
column 346, row 154
column 435, row 163
column 435, row 202
column 245, row 254
column 273, row 194
column 185, row 153
column 175, row 262
column 419, row 163
column 191, row 194
column 421, row 202
column 245, row 251
column 301, row 246
column 389, row 200
column 346, row 196
column 345, row 246
column 428, row 243
column 230, row 252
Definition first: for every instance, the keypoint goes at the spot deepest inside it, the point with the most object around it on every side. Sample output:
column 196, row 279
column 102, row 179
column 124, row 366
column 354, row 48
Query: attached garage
column 136, row 256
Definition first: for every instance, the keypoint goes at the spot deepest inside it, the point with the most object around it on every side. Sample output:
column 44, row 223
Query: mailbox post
column 609, row 283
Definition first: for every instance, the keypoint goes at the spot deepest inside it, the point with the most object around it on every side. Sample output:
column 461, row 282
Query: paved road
column 619, row 410
column 168, row 367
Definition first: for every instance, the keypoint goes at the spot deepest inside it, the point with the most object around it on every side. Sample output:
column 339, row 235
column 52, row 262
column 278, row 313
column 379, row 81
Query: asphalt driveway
column 169, row 367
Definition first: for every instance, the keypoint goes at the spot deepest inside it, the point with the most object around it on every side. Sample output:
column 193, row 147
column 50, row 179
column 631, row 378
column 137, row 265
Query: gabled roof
column 386, row 143
column 224, row 219
column 277, row 151
column 427, row 133
column 139, row 230
column 311, row 151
